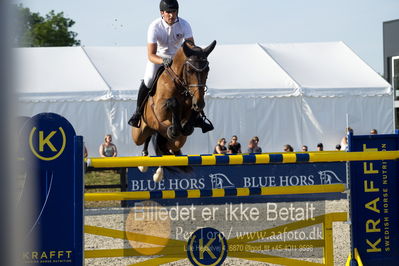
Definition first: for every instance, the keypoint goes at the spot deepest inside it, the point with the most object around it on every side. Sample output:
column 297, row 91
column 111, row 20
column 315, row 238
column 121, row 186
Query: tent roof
column 238, row 68
column 327, row 68
column 266, row 70
column 57, row 73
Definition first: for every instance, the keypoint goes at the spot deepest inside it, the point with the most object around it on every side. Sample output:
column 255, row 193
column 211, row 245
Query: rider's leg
column 144, row 90
column 202, row 122
column 142, row 95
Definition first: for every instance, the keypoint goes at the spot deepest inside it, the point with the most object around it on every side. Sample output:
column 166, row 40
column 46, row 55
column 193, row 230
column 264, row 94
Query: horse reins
column 183, row 83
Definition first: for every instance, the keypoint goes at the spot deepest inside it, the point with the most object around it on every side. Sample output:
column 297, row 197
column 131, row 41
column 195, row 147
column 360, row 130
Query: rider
column 165, row 35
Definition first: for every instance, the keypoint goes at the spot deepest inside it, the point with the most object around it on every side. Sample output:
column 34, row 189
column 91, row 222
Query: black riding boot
column 142, row 95
column 202, row 122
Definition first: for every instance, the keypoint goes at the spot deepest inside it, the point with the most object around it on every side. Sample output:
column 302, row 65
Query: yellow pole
column 216, row 193
column 265, row 158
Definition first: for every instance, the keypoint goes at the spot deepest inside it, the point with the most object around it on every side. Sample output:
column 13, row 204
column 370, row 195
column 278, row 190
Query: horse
column 174, row 103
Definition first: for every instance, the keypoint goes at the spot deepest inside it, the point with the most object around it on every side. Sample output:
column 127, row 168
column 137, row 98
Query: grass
column 102, row 178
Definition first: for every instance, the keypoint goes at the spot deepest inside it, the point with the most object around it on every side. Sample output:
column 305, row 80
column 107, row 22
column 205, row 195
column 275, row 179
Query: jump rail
column 264, row 158
column 56, row 159
column 214, row 193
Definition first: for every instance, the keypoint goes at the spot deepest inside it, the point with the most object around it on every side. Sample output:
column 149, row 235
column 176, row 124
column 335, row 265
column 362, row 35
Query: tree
column 33, row 30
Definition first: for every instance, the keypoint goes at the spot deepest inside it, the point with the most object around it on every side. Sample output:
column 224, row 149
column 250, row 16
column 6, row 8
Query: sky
column 358, row 23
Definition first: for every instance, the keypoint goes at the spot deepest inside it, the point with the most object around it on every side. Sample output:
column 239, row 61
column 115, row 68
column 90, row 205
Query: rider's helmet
column 169, row 5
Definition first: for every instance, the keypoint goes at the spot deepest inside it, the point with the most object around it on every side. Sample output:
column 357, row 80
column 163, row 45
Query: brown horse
column 171, row 110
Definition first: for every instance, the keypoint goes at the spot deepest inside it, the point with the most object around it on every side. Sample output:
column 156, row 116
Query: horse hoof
column 158, row 176
column 171, row 134
column 143, row 169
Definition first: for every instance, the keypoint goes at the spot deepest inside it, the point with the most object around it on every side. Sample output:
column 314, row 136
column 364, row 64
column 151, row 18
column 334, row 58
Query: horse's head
column 195, row 72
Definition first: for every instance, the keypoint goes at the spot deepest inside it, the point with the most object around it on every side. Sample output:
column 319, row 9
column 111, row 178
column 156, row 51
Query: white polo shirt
column 168, row 38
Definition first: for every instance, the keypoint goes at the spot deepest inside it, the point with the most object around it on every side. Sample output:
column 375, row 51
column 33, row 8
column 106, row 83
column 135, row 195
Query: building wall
column 391, row 44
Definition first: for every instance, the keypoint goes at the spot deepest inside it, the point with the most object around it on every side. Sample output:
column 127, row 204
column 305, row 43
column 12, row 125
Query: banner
column 51, row 201
column 239, row 176
column 374, row 198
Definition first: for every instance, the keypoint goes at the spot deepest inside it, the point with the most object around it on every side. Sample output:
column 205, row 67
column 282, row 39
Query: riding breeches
column 150, row 72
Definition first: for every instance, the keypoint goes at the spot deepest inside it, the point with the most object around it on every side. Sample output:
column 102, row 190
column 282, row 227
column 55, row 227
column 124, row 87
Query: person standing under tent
column 234, row 146
column 108, row 149
column 220, row 148
column 253, row 146
column 320, row 147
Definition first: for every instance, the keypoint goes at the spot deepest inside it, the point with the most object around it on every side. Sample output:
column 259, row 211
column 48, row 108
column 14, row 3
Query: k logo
column 43, row 144
column 207, row 246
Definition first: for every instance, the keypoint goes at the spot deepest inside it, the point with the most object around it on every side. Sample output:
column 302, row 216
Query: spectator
column 220, row 148
column 338, row 147
column 108, row 149
column 85, row 153
column 344, row 141
column 253, row 146
column 320, row 147
column 288, row 148
column 257, row 142
column 373, row 131
column 234, row 146
column 304, row 148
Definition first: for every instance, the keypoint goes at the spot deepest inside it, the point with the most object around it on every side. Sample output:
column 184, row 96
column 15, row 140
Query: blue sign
column 239, row 176
column 374, row 198
column 207, row 246
column 52, row 193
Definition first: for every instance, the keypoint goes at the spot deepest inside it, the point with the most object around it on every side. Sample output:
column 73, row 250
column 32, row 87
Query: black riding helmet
column 169, row 5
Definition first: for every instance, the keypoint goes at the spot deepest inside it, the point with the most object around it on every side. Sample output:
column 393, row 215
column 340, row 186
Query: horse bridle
column 183, row 83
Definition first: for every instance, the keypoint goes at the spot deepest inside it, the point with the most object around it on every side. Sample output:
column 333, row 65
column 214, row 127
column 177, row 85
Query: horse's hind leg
column 175, row 129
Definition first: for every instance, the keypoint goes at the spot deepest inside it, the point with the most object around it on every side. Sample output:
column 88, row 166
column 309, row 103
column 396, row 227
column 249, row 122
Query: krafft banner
column 374, row 199
column 51, row 199
column 242, row 176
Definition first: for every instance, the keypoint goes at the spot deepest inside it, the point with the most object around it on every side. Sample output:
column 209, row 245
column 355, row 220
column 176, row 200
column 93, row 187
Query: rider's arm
column 152, row 53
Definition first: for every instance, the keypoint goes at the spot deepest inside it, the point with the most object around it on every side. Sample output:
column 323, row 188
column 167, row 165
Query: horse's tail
column 160, row 147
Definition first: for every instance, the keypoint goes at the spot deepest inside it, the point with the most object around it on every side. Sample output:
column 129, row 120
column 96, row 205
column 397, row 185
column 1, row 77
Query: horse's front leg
column 144, row 152
column 175, row 129
column 188, row 127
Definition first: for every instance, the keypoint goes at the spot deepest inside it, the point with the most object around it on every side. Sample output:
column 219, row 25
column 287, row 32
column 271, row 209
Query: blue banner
column 374, row 198
column 242, row 176
column 52, row 192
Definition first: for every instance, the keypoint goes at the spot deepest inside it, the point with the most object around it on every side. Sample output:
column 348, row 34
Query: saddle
column 153, row 86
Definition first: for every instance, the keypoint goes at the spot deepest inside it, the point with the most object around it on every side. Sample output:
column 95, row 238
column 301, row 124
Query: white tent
column 298, row 93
